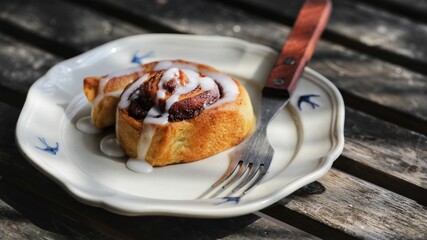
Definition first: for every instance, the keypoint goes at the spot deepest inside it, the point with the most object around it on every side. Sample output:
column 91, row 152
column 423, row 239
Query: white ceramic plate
column 307, row 136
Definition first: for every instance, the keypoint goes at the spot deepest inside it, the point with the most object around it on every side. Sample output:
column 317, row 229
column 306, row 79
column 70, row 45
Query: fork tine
column 237, row 176
column 253, row 170
column 242, row 169
column 231, row 168
column 263, row 171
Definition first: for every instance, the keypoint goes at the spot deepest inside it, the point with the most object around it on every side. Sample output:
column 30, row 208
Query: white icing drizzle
column 103, row 82
column 230, row 91
column 124, row 100
column 85, row 125
column 111, row 147
column 145, row 139
column 138, row 165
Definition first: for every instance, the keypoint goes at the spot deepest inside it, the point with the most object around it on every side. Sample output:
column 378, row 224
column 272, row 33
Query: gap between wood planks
column 301, row 221
column 395, row 7
column 12, row 98
column 401, row 119
column 382, row 179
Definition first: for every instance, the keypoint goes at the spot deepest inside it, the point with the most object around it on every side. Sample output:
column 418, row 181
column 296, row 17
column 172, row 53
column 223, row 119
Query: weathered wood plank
column 64, row 24
column 22, row 64
column 415, row 5
column 21, row 217
column 387, row 85
column 355, row 207
column 201, row 17
column 362, row 27
column 15, row 226
column 378, row 28
column 385, row 154
column 413, row 9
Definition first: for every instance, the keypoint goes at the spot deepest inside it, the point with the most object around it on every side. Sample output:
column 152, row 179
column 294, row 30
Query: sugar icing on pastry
column 177, row 84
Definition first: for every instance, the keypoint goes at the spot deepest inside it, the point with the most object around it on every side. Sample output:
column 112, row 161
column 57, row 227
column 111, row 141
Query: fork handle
column 299, row 47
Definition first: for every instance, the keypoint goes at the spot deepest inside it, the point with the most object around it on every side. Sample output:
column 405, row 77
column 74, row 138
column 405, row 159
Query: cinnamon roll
column 182, row 112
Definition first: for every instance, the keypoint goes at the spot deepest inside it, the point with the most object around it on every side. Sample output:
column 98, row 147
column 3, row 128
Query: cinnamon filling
column 183, row 88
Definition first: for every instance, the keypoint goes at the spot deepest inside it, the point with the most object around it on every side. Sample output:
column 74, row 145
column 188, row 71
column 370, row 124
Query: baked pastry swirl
column 182, row 112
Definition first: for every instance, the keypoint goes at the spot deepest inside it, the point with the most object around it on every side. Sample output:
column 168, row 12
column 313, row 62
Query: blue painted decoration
column 307, row 99
column 235, row 200
column 139, row 59
column 47, row 148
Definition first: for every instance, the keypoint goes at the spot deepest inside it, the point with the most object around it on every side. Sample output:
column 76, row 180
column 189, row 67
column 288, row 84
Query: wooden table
column 375, row 52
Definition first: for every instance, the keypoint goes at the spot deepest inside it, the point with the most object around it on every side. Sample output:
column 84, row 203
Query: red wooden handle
column 299, row 47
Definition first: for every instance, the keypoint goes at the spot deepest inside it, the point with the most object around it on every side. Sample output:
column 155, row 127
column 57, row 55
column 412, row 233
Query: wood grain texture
column 413, row 9
column 388, row 85
column 25, row 218
column 200, row 17
column 15, row 226
column 415, row 5
column 355, row 207
column 56, row 22
column 386, row 155
column 22, row 64
column 391, row 148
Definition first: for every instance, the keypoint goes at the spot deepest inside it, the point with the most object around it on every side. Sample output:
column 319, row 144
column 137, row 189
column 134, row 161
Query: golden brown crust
column 90, row 87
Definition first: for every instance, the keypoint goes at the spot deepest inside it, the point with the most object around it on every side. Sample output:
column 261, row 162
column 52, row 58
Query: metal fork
column 247, row 163
column 252, row 157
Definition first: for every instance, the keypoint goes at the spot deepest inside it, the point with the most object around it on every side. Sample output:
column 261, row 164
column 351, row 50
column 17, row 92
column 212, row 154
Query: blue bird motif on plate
column 47, row 147
column 139, row 59
column 307, row 99
column 235, row 200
